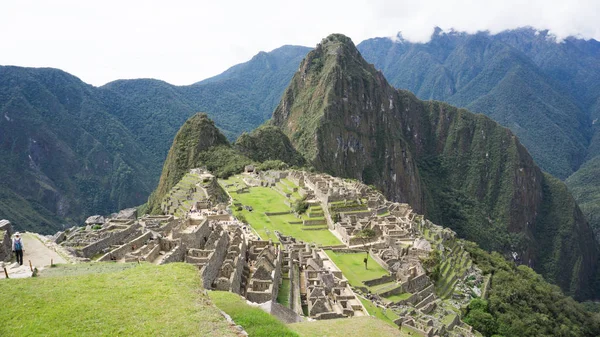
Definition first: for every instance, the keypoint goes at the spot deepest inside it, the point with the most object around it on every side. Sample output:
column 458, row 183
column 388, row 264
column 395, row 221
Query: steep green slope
column 268, row 142
column 585, row 186
column 521, row 303
column 462, row 170
column 515, row 84
column 198, row 143
column 64, row 156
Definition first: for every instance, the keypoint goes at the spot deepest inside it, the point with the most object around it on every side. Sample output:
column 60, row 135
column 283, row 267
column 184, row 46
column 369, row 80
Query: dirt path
column 38, row 253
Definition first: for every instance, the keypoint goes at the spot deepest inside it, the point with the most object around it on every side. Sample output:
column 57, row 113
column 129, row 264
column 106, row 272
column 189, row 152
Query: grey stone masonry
column 6, row 233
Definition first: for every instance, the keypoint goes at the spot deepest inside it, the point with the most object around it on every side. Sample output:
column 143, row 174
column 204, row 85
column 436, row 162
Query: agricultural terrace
column 264, row 200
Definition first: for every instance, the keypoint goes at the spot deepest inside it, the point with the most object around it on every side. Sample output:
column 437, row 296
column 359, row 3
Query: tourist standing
column 17, row 247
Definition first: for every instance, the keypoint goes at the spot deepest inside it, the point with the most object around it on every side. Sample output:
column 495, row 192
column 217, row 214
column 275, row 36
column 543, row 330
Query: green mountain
column 462, row 170
column 198, row 143
column 64, row 156
column 71, row 150
column 268, row 142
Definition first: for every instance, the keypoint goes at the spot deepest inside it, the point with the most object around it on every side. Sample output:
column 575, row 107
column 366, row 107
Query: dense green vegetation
column 255, row 321
column 522, row 303
column 545, row 91
column 586, row 190
column 266, row 143
column 71, row 150
column 64, row 155
column 144, row 300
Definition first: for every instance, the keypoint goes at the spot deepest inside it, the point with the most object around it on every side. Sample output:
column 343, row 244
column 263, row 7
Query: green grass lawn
column 346, row 327
column 283, row 297
column 265, row 199
column 352, row 266
column 145, row 300
column 255, row 321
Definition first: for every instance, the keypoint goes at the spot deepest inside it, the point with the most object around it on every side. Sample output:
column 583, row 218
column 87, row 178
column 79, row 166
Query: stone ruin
column 265, row 272
column 6, row 232
column 316, row 283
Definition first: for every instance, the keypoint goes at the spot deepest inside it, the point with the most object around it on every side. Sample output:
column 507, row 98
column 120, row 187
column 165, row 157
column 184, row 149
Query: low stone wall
column 277, row 213
column 240, row 262
column 397, row 290
column 119, row 253
column 378, row 281
column 219, row 217
column 314, row 222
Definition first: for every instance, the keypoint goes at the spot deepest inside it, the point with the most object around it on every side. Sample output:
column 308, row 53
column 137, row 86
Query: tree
column 365, row 236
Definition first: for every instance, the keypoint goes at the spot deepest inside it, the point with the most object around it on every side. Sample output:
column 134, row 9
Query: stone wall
column 379, row 260
column 177, row 254
column 378, row 281
column 195, row 238
column 119, row 253
column 236, row 278
column 114, row 239
column 211, row 270
column 6, row 232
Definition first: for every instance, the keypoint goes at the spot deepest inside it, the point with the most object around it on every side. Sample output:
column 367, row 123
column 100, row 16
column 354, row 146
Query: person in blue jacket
column 17, row 247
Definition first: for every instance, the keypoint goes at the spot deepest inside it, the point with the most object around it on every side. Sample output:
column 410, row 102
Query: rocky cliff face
column 339, row 113
column 462, row 170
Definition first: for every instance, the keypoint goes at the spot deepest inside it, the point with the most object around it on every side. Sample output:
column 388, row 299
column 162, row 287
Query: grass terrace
column 351, row 264
column 145, row 300
column 266, row 199
column 348, row 327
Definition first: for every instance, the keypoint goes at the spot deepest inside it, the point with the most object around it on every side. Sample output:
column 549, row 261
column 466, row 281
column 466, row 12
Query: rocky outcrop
column 462, row 170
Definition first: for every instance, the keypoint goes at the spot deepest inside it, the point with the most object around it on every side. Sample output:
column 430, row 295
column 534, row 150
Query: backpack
column 18, row 245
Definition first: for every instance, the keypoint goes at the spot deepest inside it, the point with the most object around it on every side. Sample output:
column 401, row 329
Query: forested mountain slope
column 63, row 154
column 460, row 169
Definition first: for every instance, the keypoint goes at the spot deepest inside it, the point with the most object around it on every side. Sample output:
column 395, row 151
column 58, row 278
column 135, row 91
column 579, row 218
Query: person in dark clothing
column 17, row 248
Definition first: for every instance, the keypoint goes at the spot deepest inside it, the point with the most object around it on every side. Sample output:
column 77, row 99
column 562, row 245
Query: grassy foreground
column 347, row 327
column 145, row 300
column 255, row 321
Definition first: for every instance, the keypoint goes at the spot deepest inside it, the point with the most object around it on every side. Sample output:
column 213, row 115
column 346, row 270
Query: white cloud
column 182, row 42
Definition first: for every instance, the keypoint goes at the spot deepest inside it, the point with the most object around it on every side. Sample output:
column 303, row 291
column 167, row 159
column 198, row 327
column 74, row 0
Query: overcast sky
column 183, row 42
